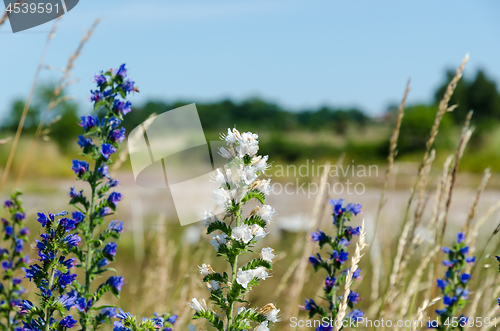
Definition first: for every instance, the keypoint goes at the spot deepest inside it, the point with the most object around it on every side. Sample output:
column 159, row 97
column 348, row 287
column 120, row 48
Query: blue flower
column 341, row 256
column 354, row 208
column 324, row 327
column 337, row 206
column 498, row 300
column 356, row 274
column 464, row 250
column 116, row 282
column 330, row 282
column 108, row 312
column 118, row 326
column 68, row 300
column 353, row 231
column 446, row 250
column 104, row 211
column 19, row 216
column 114, row 198
column 107, row 150
column 460, row 237
column 318, row 236
column 158, row 321
column 84, row 142
column 69, row 263
column 6, row 265
column 83, row 305
column 449, row 301
column 112, row 183
column 122, row 71
column 100, row 80
column 310, row 304
column 441, row 284
column 172, row 319
column 78, row 217
column 128, row 86
column 115, row 226
column 33, row 271
column 117, row 135
column 25, row 306
column 19, row 245
column 122, row 315
column 355, row 314
column 122, row 107
column 464, row 278
column 74, row 194
column 88, row 122
column 353, row 297
column 103, row 262
column 96, row 96
column 79, row 167
column 8, row 204
column 447, row 263
column 315, row 261
column 65, row 278
column 9, row 231
column 72, row 240
column 470, row 259
column 114, row 122
column 110, row 249
column 67, row 322
column 103, row 171
column 24, row 232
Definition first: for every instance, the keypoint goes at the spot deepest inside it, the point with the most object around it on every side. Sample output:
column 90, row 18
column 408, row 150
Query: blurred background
column 318, row 81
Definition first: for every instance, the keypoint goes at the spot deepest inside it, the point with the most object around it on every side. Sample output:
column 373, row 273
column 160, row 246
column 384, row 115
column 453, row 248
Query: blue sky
column 297, row 53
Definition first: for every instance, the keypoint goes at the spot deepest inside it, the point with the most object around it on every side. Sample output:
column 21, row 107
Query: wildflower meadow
column 417, row 248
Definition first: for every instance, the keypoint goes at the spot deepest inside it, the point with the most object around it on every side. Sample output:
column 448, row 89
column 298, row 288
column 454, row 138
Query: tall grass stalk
column 20, row 126
column 442, row 109
column 55, row 99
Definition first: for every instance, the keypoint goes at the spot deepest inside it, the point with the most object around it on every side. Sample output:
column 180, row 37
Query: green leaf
column 254, row 194
column 221, row 226
column 211, row 318
column 258, row 262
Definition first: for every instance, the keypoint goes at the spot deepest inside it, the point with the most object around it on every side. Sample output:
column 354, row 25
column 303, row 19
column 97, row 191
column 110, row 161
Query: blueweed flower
column 49, row 276
column 12, row 260
column 238, row 183
column 80, row 167
column 334, row 265
column 110, row 249
column 454, row 286
column 89, row 122
column 107, row 150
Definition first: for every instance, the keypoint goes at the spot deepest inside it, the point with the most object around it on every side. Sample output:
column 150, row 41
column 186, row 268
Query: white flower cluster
column 239, row 180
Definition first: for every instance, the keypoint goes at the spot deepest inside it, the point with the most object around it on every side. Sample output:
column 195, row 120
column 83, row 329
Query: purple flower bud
column 110, row 249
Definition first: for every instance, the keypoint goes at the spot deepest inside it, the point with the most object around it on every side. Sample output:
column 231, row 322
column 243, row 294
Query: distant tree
column 480, row 95
column 416, row 126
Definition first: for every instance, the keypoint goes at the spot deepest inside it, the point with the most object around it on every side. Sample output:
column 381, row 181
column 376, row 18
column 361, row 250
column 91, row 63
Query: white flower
column 245, row 148
column 270, row 312
column 267, row 254
column 206, row 269
column 222, row 197
column 262, row 185
column 213, row 285
column 217, row 240
column 198, row 306
column 258, row 232
column 221, row 177
column 209, row 217
column 260, row 273
column 238, row 194
column 266, row 212
column 241, row 310
column 191, row 327
column 272, row 316
column 249, row 138
column 232, row 136
column 260, row 162
column 247, row 174
column 243, row 233
column 244, row 277
column 227, row 153
column 262, row 326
